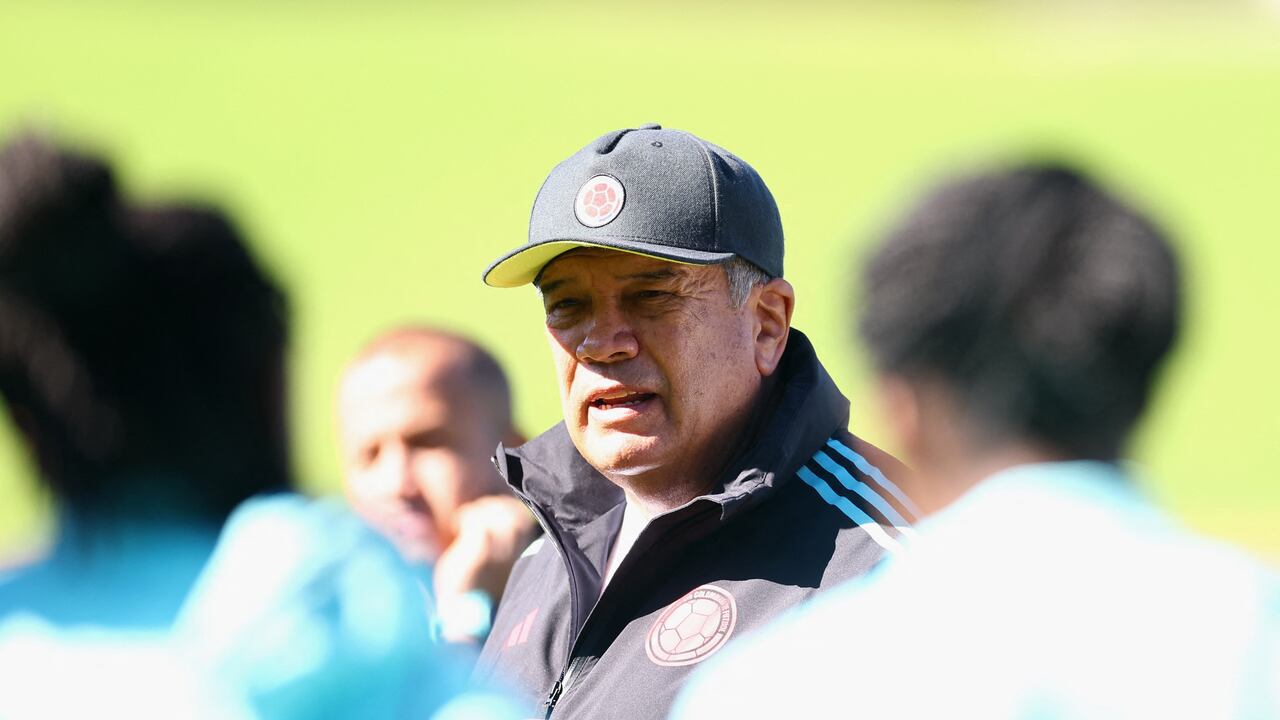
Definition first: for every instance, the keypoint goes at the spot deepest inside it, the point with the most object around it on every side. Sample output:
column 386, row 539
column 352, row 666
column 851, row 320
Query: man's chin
column 621, row 454
column 417, row 552
column 414, row 547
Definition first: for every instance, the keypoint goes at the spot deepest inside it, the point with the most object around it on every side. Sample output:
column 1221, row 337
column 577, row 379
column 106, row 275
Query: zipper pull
column 550, row 702
column 566, row 677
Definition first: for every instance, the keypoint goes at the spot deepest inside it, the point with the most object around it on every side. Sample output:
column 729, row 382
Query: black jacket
column 804, row 506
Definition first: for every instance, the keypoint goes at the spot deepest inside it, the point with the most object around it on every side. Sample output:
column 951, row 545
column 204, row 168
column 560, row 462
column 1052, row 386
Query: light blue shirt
column 123, row 575
column 1047, row 591
column 301, row 612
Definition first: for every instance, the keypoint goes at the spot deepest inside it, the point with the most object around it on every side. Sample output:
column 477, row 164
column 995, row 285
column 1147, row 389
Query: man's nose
column 397, row 471
column 609, row 338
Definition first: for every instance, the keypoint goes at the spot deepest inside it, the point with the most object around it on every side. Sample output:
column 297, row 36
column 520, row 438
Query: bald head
column 447, row 362
column 420, row 412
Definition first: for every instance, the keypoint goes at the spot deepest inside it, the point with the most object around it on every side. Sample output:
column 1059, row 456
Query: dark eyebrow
column 551, row 286
column 664, row 274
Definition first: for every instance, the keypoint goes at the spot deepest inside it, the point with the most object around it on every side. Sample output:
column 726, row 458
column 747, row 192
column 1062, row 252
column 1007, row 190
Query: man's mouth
column 409, row 525
column 621, row 399
column 413, row 535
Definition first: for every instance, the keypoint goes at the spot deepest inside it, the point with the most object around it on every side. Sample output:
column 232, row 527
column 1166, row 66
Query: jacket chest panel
column 530, row 636
column 640, row 672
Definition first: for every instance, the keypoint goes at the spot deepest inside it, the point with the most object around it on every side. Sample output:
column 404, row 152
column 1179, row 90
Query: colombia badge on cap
column 599, row 201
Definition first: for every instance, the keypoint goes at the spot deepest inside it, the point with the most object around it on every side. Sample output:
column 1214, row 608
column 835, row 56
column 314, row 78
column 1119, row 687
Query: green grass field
column 379, row 154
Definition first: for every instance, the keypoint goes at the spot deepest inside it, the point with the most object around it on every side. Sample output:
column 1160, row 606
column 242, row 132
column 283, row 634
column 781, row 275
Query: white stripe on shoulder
column 853, row 512
column 534, row 547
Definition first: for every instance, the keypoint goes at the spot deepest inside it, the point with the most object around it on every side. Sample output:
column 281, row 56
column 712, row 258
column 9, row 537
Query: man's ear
column 772, row 303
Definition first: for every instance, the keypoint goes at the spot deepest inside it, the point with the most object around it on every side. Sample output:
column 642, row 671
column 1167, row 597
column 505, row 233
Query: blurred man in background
column 420, row 411
column 1018, row 321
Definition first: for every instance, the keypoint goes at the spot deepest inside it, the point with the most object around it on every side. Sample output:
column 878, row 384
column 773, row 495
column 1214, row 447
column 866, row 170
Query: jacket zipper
column 566, row 677
column 572, row 663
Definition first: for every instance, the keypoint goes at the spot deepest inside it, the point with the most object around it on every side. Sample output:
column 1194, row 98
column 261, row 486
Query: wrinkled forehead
column 619, row 265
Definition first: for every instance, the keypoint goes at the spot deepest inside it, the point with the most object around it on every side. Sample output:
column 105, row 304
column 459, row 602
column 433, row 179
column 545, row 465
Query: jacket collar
column 803, row 410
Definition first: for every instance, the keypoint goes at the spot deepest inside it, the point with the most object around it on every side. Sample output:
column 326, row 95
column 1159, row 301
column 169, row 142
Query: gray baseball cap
column 662, row 193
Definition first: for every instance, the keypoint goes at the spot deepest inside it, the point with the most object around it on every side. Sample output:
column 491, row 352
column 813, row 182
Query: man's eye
column 652, row 295
column 420, row 440
column 560, row 306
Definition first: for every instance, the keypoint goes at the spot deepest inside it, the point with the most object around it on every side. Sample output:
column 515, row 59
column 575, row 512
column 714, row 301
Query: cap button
column 650, row 126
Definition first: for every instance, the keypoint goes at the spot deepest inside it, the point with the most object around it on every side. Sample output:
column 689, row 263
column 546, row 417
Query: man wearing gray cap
column 703, row 479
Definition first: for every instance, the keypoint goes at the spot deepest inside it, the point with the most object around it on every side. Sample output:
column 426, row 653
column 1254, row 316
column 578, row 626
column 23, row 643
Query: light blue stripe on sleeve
column 874, row 472
column 850, row 510
column 863, row 490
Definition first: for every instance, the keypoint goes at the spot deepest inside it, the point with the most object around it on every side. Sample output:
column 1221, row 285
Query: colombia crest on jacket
column 693, row 627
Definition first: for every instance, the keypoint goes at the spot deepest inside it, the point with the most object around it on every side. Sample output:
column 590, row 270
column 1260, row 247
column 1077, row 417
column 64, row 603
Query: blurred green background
column 379, row 154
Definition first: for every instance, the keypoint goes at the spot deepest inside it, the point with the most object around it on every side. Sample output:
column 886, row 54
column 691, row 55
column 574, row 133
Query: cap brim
column 521, row 266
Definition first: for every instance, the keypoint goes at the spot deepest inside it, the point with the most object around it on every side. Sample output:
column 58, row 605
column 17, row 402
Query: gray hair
column 743, row 276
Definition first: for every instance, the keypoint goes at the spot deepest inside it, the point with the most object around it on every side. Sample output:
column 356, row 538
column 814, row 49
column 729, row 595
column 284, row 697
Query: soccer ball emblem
column 599, row 201
column 693, row 627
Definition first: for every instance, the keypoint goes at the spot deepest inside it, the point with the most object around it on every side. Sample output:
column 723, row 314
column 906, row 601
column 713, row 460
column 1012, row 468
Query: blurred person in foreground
column 142, row 360
column 704, row 478
column 420, row 411
column 1017, row 321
